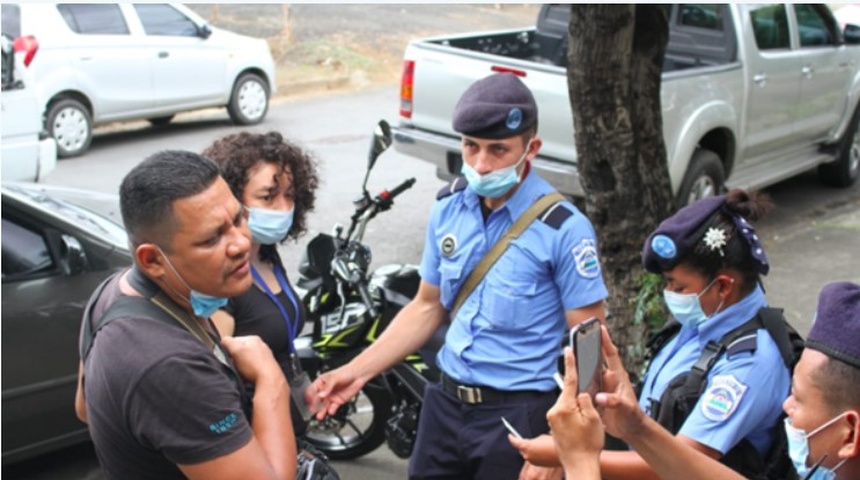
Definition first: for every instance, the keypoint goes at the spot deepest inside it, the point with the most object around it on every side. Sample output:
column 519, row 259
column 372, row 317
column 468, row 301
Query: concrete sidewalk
column 808, row 255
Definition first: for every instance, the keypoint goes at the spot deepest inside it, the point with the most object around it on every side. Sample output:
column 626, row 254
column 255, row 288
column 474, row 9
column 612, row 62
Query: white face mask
column 686, row 307
column 798, row 451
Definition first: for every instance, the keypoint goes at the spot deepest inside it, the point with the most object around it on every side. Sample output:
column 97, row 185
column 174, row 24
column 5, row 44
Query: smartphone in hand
column 585, row 341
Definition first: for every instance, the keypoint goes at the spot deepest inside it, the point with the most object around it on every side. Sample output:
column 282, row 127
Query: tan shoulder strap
column 515, row 230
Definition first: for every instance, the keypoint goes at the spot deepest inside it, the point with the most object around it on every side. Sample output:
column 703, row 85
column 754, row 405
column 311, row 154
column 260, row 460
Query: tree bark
column 615, row 59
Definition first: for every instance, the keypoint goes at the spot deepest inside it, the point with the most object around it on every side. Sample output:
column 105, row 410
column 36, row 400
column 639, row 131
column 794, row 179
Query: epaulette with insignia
column 555, row 215
column 455, row 186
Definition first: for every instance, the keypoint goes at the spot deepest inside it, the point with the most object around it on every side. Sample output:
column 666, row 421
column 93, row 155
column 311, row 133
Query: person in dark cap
column 500, row 351
column 712, row 262
column 823, row 410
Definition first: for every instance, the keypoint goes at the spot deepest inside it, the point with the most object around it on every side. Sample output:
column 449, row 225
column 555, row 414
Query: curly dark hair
column 750, row 205
column 238, row 153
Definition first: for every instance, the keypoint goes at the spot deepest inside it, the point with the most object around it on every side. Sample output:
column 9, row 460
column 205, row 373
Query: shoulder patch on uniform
column 555, row 215
column 722, row 398
column 453, row 187
column 585, row 256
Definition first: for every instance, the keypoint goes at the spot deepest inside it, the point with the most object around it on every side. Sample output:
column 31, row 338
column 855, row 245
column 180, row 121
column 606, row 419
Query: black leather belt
column 475, row 395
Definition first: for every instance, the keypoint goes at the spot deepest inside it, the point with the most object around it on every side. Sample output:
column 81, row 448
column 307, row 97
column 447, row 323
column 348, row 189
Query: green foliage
column 650, row 311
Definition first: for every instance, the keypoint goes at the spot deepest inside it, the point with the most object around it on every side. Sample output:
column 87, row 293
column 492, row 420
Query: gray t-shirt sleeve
column 189, row 409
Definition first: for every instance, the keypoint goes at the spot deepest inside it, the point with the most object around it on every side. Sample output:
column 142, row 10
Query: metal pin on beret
column 678, row 235
column 497, row 106
column 836, row 327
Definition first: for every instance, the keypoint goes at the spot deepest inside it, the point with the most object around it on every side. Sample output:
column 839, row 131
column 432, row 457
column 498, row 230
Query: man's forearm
column 670, row 457
column 273, row 425
column 409, row 330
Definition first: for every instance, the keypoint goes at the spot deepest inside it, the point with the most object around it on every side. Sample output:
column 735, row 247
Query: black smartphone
column 585, row 341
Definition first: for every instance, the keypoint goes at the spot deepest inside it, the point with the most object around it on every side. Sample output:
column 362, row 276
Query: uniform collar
column 734, row 316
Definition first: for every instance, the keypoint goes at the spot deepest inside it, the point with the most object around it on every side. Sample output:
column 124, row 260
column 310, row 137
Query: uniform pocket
column 508, row 302
column 450, row 274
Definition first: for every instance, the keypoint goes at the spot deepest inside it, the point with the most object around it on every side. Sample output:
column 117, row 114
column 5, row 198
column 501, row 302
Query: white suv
column 28, row 154
column 100, row 63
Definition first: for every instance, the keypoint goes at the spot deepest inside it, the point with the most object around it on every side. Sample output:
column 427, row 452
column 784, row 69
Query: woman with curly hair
column 276, row 181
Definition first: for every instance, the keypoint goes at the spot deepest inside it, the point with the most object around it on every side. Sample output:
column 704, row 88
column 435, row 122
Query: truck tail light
column 28, row 46
column 406, row 88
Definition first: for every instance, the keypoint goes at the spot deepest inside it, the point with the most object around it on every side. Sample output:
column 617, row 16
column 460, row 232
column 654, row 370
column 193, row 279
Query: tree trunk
column 615, row 60
column 286, row 24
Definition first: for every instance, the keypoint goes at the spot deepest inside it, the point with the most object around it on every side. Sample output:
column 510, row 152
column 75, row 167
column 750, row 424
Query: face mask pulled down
column 496, row 183
column 202, row 304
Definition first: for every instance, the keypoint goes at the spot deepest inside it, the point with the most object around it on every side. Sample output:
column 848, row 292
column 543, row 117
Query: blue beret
column 679, row 234
column 836, row 327
column 498, row 106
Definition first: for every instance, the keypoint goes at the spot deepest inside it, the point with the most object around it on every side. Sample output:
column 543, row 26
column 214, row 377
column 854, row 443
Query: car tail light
column 406, row 88
column 28, row 46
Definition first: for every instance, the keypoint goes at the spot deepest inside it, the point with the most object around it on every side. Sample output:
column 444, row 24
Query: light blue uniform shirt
column 507, row 334
column 744, row 395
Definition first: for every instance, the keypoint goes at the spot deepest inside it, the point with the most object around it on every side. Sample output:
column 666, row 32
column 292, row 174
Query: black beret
column 678, row 235
column 498, row 106
column 836, row 327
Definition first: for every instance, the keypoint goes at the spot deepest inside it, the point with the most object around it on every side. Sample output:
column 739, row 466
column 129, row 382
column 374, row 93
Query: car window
column 10, row 17
column 814, row 27
column 94, row 19
column 702, row 16
column 159, row 19
column 24, row 251
column 770, row 26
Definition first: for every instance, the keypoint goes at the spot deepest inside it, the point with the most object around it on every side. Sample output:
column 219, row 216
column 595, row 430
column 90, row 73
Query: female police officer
column 711, row 260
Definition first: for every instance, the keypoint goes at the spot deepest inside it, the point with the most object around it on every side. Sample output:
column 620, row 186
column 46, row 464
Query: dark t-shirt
column 254, row 313
column 156, row 397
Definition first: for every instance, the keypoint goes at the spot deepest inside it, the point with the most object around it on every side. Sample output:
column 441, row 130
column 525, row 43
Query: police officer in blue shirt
column 501, row 349
column 712, row 260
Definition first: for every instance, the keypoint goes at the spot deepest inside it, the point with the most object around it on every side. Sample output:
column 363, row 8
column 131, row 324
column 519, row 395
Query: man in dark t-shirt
column 164, row 398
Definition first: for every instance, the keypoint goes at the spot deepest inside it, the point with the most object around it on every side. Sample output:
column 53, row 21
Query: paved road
column 811, row 238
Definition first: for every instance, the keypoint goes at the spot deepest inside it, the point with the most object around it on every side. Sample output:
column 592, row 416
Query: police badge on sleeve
column 585, row 256
column 722, row 398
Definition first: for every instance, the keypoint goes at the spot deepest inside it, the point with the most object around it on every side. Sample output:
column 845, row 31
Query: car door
column 110, row 64
column 189, row 67
column 48, row 274
column 824, row 75
column 773, row 83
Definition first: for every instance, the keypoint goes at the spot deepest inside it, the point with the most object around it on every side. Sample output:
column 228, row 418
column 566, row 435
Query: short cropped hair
column 148, row 191
column 839, row 383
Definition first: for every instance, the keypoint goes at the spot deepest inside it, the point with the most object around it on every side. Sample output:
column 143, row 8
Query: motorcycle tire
column 357, row 428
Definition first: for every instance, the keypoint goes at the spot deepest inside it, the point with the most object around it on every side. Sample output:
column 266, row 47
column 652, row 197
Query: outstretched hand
column 331, row 390
column 622, row 415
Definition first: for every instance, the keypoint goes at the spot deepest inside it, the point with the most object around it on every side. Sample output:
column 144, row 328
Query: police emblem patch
column 585, row 255
column 448, row 244
column 722, row 398
column 515, row 118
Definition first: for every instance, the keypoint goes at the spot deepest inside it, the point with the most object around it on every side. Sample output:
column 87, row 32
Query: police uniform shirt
column 507, row 334
column 744, row 394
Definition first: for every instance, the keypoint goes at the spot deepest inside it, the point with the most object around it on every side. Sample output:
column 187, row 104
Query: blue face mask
column 202, row 304
column 496, row 183
column 798, row 450
column 686, row 307
column 269, row 226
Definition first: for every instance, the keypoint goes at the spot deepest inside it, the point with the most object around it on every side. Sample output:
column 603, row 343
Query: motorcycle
column 349, row 308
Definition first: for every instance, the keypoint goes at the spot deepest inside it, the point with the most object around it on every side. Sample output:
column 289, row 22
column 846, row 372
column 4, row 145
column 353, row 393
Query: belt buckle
column 469, row 394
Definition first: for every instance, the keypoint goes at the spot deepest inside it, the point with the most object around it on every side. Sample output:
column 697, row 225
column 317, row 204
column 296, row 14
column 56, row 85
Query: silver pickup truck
column 751, row 95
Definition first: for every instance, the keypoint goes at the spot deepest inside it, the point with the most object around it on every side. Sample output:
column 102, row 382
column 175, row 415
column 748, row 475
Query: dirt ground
column 320, row 47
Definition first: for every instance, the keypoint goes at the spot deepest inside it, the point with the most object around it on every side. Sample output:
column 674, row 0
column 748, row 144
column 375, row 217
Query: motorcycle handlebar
column 387, row 196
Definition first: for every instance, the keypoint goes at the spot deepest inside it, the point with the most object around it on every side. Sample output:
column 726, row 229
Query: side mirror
column 851, row 34
column 204, row 31
column 381, row 142
column 73, row 259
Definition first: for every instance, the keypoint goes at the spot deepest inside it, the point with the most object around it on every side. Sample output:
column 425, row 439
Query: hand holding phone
column 585, row 341
column 511, row 428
